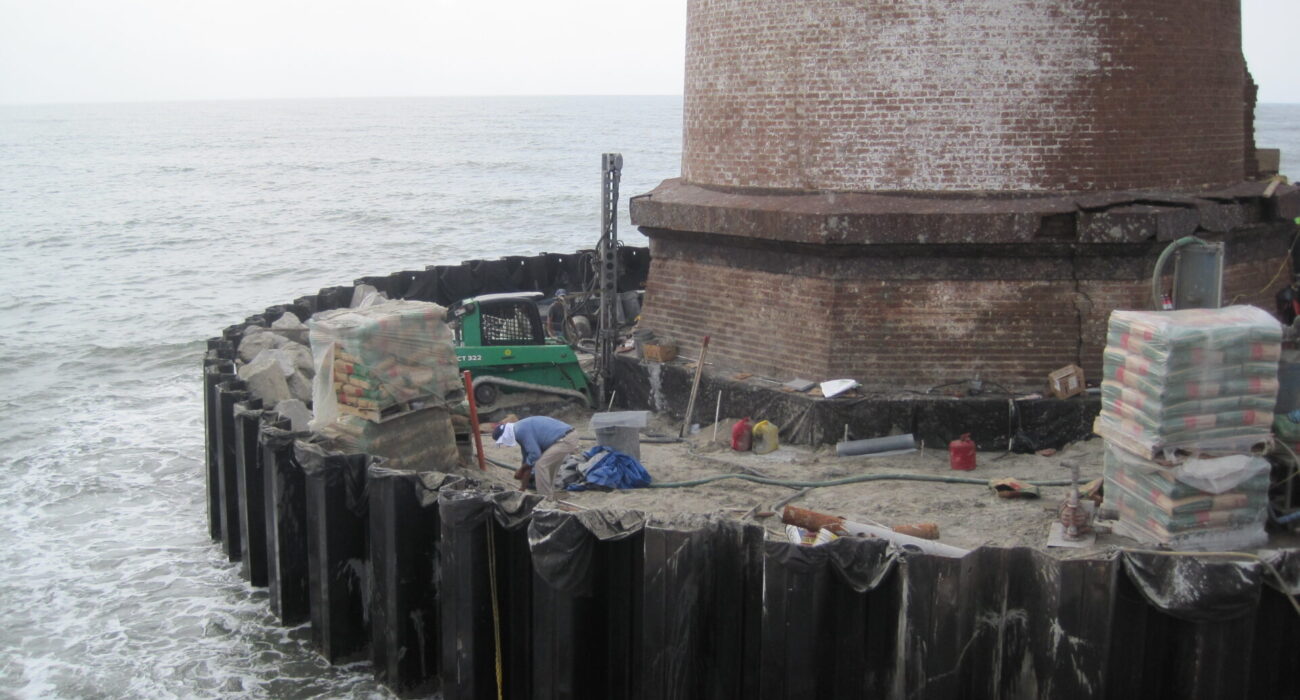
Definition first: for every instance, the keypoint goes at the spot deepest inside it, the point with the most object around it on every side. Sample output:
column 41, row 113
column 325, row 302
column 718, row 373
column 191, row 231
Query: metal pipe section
column 892, row 443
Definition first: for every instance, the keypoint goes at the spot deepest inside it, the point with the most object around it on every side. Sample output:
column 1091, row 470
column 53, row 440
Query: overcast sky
column 128, row 50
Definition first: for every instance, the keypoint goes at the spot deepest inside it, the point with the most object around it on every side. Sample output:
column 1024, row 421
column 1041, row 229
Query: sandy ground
column 968, row 515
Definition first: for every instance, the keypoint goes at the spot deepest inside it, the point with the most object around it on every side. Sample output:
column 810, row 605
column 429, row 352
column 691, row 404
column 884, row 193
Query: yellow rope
column 496, row 611
column 1242, row 555
column 1280, row 268
column 1295, row 461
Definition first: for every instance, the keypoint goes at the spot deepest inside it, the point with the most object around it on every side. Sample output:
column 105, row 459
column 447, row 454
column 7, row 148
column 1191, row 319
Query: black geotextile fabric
column 586, row 640
column 448, row 284
column 1195, row 588
column 634, row 268
column 300, row 311
column 310, row 302
column 563, row 544
column 338, row 565
column 465, row 594
column 330, row 298
column 284, row 489
column 416, row 285
column 229, row 393
column 701, row 608
column 804, row 419
column 249, row 485
column 818, row 636
column 497, row 275
column 405, row 530
column 455, row 282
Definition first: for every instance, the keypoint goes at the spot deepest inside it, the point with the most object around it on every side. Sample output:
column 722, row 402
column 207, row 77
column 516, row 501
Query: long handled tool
column 695, row 388
column 473, row 420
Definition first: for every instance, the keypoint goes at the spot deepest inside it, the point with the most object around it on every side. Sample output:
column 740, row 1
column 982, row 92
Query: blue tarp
column 615, row 470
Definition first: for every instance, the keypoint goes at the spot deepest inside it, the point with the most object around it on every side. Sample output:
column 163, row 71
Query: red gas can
column 961, row 453
column 741, row 437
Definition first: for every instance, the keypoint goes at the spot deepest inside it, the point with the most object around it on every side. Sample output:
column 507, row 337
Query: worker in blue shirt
column 544, row 443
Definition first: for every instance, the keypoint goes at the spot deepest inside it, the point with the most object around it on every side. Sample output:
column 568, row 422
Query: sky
column 141, row 50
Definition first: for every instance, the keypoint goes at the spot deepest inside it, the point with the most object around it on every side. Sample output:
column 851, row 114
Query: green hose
column 846, row 480
column 833, row 482
column 1156, row 302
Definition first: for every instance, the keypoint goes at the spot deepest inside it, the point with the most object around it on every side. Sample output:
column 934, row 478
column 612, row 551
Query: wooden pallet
column 391, row 412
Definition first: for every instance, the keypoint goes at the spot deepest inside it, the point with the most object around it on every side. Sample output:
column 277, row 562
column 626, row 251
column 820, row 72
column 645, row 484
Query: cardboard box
column 1066, row 382
column 659, row 352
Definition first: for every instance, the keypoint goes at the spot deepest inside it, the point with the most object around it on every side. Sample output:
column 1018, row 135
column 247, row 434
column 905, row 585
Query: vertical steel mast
column 611, row 168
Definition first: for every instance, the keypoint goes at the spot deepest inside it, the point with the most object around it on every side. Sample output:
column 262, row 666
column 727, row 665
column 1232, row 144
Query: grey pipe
column 892, row 443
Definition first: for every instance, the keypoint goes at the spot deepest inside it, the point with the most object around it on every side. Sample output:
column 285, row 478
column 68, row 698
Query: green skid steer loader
column 499, row 339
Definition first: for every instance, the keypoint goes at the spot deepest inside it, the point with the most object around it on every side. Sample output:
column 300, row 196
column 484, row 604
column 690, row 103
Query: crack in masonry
column 1078, row 310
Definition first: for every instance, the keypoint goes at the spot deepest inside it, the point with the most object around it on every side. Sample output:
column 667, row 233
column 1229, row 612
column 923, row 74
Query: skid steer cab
column 499, row 339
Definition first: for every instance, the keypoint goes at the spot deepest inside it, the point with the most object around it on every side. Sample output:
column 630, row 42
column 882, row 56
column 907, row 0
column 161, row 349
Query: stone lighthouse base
column 914, row 292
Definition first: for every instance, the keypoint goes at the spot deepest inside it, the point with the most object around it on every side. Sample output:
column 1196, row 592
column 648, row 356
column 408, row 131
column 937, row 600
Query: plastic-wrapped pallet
column 421, row 440
column 1198, row 380
column 1215, row 503
column 382, row 360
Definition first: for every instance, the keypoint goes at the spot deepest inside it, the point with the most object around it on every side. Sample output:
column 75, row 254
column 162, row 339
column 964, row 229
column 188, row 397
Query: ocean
column 133, row 232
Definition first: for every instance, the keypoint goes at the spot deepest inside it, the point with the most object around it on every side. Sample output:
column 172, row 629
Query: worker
column 544, row 442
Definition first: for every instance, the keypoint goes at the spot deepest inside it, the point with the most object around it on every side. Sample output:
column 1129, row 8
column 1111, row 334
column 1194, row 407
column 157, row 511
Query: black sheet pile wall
column 285, row 490
column 546, row 273
column 229, row 392
column 458, row 588
column 451, row 586
column 248, row 485
column 404, row 553
column 218, row 367
column 338, row 551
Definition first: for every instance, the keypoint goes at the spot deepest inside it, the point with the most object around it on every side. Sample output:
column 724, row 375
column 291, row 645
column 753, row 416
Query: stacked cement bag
column 381, row 360
column 1186, row 397
column 387, row 378
column 1198, row 380
column 419, row 440
column 1199, row 503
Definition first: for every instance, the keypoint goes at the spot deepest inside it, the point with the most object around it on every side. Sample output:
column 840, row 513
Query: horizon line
column 71, row 103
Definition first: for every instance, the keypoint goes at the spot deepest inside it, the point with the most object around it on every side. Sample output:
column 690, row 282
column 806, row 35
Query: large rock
column 265, row 377
column 255, row 340
column 289, row 327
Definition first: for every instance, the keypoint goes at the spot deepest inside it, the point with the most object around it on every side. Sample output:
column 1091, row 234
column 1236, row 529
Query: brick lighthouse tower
column 912, row 192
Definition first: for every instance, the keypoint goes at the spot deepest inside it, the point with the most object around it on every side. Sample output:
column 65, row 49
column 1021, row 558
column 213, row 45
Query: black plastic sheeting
column 338, row 557
column 821, row 637
column 448, row 284
column 586, row 614
column 249, row 481
column 992, row 422
column 285, row 492
column 702, row 602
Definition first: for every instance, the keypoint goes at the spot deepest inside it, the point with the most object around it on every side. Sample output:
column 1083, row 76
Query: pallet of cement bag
column 417, row 440
column 1134, row 438
column 383, row 361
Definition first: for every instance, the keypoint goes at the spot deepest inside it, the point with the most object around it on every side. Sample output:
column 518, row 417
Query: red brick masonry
column 977, row 95
column 788, row 290
column 911, row 192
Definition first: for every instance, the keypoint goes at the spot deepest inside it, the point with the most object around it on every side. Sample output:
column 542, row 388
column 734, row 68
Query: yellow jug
column 765, row 437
